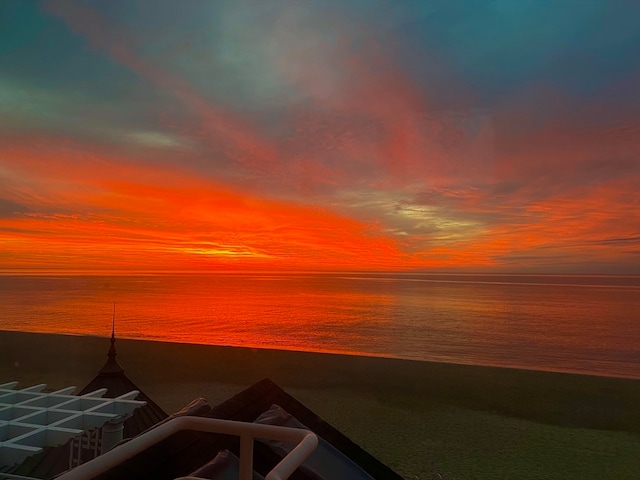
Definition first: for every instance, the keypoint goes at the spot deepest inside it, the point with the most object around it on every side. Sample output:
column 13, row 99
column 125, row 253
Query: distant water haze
column 583, row 324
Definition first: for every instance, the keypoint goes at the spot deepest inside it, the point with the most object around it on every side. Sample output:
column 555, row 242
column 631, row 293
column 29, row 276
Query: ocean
column 579, row 324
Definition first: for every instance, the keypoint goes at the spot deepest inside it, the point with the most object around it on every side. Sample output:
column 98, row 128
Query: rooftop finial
column 112, row 349
column 112, row 366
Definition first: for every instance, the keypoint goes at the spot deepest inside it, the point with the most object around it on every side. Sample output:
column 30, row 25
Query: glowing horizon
column 304, row 136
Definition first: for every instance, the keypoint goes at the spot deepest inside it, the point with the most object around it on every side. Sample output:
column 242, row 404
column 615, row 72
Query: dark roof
column 186, row 451
column 111, row 376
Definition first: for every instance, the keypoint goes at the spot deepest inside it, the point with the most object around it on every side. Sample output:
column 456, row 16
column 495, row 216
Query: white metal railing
column 307, row 442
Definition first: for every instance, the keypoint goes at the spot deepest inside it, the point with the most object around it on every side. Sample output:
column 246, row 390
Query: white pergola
column 31, row 419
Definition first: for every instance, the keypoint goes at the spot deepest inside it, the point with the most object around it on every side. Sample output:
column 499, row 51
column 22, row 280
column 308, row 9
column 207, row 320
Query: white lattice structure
column 31, row 419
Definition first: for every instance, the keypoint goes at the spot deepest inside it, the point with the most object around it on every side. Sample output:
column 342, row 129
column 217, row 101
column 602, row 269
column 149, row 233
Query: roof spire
column 112, row 366
column 112, row 350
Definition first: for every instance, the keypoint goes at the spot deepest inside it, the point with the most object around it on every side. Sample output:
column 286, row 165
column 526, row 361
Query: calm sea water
column 586, row 324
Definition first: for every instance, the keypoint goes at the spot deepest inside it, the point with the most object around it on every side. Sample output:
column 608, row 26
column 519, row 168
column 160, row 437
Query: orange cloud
column 570, row 230
column 503, row 192
column 85, row 207
column 105, row 212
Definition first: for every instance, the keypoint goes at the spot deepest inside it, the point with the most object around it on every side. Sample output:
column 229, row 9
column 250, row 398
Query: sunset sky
column 476, row 136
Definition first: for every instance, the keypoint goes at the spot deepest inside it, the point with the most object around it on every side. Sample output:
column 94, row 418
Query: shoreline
column 345, row 355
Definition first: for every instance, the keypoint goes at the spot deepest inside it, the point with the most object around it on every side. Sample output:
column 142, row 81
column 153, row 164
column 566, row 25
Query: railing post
column 111, row 435
column 246, row 457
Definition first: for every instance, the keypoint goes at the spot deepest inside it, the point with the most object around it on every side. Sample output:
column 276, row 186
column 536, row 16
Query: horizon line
column 129, row 273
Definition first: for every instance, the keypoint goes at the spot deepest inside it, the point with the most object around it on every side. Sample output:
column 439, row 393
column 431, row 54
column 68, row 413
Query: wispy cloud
column 293, row 134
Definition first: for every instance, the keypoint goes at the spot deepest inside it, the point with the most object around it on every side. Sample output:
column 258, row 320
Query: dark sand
column 418, row 417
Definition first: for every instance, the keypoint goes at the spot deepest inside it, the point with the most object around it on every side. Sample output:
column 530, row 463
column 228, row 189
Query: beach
column 421, row 418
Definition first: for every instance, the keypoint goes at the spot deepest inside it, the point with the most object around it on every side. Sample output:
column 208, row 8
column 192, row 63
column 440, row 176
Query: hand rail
column 307, row 442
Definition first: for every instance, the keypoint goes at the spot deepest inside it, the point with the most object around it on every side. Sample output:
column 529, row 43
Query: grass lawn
column 464, row 444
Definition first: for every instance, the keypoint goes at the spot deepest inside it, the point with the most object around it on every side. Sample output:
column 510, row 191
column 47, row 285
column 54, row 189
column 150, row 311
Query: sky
column 297, row 135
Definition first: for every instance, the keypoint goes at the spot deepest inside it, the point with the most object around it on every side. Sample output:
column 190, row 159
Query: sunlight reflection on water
column 548, row 323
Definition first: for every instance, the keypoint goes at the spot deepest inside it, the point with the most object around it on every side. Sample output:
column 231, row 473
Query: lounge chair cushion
column 224, row 466
column 326, row 461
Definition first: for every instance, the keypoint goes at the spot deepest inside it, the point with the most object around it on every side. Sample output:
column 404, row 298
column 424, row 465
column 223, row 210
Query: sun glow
column 311, row 141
